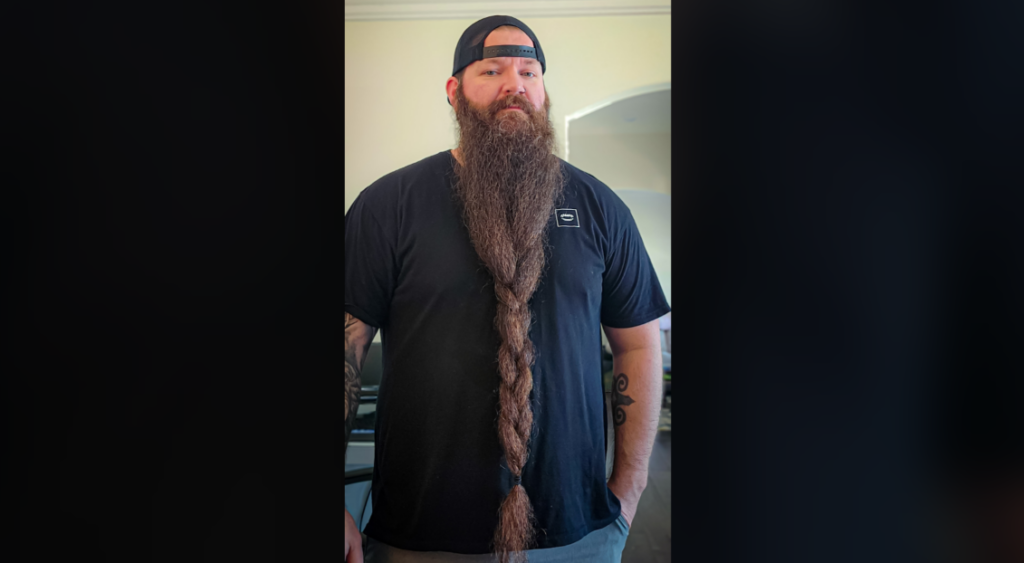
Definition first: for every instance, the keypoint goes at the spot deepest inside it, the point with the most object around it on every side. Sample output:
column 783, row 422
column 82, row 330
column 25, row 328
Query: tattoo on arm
column 619, row 398
column 352, row 384
column 358, row 336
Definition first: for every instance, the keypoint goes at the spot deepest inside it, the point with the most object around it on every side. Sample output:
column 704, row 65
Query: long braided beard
column 507, row 185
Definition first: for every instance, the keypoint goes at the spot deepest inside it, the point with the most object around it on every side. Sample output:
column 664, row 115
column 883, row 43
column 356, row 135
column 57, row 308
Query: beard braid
column 507, row 185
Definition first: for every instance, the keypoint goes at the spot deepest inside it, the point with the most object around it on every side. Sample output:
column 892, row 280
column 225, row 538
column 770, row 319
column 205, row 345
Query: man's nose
column 515, row 85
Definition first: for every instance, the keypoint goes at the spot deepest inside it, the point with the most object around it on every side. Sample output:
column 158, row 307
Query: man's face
column 489, row 80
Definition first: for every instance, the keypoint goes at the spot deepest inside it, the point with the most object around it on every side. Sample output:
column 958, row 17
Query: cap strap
column 510, row 51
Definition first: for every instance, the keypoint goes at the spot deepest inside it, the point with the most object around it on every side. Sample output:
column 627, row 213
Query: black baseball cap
column 471, row 45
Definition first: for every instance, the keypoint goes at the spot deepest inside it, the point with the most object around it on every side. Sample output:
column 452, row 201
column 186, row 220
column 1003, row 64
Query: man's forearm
column 352, row 387
column 357, row 341
column 636, row 406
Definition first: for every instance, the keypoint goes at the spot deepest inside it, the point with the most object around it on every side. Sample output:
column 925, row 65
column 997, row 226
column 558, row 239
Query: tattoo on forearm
column 357, row 341
column 619, row 398
column 352, row 384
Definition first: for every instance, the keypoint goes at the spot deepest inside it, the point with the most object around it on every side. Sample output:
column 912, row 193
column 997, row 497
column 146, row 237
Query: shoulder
column 393, row 187
column 584, row 187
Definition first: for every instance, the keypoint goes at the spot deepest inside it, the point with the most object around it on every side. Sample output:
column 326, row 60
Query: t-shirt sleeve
column 632, row 295
column 370, row 261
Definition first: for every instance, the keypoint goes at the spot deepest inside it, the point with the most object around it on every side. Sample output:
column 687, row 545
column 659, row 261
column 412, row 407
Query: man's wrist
column 628, row 483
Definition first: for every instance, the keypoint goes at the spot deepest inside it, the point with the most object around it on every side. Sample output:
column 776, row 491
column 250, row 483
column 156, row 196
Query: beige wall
column 395, row 72
column 629, row 162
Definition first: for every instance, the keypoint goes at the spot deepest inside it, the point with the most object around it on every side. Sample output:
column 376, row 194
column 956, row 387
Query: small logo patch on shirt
column 567, row 218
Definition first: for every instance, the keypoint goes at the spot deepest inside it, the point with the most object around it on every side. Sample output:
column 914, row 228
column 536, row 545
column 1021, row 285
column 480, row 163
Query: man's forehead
column 508, row 35
column 523, row 61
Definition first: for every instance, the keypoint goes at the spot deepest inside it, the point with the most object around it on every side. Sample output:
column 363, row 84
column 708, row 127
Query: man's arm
column 636, row 405
column 358, row 336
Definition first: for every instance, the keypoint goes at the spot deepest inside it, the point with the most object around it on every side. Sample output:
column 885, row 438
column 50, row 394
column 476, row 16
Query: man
column 489, row 270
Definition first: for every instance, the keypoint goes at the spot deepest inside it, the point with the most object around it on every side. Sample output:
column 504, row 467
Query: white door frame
column 609, row 101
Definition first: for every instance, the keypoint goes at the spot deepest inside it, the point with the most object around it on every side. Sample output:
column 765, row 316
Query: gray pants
column 600, row 546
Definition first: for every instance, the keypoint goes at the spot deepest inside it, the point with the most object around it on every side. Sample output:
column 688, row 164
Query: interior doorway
column 626, row 142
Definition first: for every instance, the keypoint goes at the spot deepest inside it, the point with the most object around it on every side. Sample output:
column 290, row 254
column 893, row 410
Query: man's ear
column 450, row 87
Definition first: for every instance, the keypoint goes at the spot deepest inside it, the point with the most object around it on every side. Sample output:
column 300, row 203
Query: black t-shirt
column 410, row 269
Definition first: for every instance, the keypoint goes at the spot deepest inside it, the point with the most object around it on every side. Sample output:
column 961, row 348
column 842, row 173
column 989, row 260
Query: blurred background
column 610, row 81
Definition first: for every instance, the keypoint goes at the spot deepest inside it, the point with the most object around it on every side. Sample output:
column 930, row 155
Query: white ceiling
column 620, row 3
column 371, row 2
column 370, row 10
column 645, row 113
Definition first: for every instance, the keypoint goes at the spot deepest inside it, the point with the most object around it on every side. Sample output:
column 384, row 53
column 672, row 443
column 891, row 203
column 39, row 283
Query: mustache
column 509, row 101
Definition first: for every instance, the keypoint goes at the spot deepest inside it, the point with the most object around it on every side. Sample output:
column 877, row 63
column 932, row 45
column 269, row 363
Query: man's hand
column 353, row 541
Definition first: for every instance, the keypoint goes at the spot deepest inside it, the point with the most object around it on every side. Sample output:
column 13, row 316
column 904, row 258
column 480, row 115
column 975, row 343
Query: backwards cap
column 471, row 45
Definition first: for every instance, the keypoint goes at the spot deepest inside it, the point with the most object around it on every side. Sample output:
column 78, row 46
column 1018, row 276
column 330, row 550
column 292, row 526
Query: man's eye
column 532, row 74
column 491, row 72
